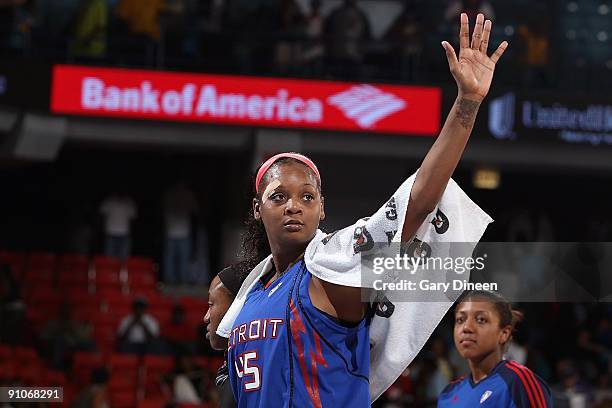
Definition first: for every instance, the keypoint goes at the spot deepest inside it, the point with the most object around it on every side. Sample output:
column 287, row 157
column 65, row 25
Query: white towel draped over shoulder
column 402, row 329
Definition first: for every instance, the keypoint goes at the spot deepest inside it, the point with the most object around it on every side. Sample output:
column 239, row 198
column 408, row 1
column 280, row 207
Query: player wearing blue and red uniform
column 484, row 322
column 299, row 340
column 312, row 361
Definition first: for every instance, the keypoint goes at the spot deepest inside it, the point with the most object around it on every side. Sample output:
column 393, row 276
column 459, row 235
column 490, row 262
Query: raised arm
column 473, row 72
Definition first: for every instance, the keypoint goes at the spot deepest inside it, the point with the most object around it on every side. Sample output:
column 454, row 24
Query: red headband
column 268, row 163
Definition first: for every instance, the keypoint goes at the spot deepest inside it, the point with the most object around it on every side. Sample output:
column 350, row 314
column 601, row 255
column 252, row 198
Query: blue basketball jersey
column 283, row 352
column 509, row 385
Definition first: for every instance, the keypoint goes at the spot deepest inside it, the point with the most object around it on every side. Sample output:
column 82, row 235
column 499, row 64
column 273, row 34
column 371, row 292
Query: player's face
column 219, row 301
column 291, row 206
column 477, row 330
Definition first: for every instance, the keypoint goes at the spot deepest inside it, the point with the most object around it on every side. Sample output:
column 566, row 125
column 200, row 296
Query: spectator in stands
column 313, row 50
column 187, row 380
column 119, row 210
column 471, row 8
column 138, row 332
column 346, row 29
column 90, row 29
column 65, row 335
column 141, row 16
column 572, row 391
column 406, row 37
column 7, row 19
column 534, row 50
column 603, row 393
column 94, row 395
column 178, row 332
column 290, row 33
column 16, row 21
column 180, row 206
column 221, row 294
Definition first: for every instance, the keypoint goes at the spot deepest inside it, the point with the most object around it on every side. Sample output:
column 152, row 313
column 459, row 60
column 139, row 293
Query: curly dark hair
column 255, row 246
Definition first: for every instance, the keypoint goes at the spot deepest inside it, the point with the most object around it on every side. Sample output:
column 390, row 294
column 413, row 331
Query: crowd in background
column 347, row 39
column 568, row 344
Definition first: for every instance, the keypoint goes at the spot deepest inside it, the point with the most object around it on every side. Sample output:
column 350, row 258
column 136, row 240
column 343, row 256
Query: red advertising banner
column 250, row 101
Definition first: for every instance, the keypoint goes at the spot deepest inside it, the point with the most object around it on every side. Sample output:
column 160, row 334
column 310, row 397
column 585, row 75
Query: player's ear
column 505, row 335
column 322, row 216
column 256, row 209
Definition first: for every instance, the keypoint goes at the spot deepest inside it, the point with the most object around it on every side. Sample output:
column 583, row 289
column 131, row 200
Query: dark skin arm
column 473, row 72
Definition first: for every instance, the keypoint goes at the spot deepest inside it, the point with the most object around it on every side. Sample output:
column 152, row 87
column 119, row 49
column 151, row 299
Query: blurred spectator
column 291, row 30
column 534, row 46
column 138, row 332
column 589, row 350
column 95, row 395
column 346, row 29
column 444, row 372
column 516, row 352
column 180, row 206
column 187, row 381
column 471, row 8
column 572, row 391
column 16, row 20
column 178, row 332
column 406, row 37
column 141, row 16
column 90, row 29
column 65, row 335
column 313, row 50
column 12, row 307
column 603, row 393
column 119, row 210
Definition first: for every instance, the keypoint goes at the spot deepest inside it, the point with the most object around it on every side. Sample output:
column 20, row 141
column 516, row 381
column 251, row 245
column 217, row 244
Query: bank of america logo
column 366, row 104
column 501, row 116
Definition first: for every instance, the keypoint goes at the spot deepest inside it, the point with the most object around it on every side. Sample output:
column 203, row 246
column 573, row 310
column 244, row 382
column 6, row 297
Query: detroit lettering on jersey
column 259, row 329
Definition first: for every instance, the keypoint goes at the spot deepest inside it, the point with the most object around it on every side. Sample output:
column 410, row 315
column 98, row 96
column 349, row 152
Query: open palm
column 473, row 71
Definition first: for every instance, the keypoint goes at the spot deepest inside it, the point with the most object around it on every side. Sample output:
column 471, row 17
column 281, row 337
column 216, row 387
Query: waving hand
column 473, row 71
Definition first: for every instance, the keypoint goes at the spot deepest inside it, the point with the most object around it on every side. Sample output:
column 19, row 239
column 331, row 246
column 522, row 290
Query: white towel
column 397, row 338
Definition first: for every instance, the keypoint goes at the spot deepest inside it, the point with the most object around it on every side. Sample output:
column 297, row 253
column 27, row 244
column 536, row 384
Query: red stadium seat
column 40, row 276
column 30, row 373
column 72, row 277
column 74, row 262
column 106, row 263
column 8, row 371
column 16, row 260
column 205, row 363
column 84, row 363
column 153, row 403
column 105, row 334
column 194, row 304
column 123, row 399
column 25, row 355
column 52, row 378
column 154, row 367
column 141, row 279
column 146, row 293
column 6, row 352
column 85, row 312
column 44, row 260
column 124, row 373
column 136, row 263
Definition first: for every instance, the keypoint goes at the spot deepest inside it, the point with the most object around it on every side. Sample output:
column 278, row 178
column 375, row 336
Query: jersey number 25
column 248, row 369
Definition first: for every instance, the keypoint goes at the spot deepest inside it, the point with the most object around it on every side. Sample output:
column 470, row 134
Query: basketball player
column 484, row 322
column 221, row 293
column 299, row 340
